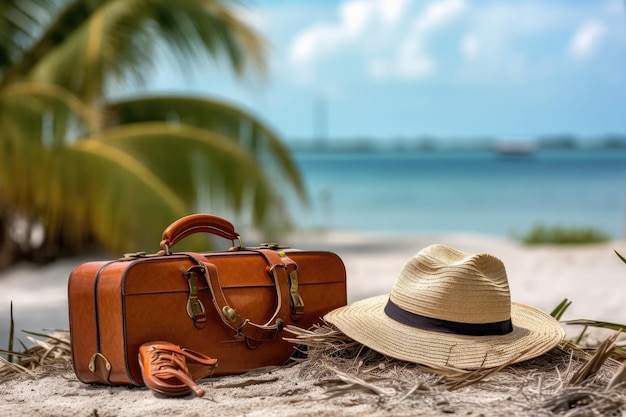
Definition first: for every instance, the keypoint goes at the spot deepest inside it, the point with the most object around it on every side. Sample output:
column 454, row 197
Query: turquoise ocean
column 462, row 191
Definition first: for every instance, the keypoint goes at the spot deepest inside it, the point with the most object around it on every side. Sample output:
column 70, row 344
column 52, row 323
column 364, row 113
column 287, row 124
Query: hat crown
column 447, row 284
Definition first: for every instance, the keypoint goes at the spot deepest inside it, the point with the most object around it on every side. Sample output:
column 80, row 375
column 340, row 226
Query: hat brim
column 534, row 333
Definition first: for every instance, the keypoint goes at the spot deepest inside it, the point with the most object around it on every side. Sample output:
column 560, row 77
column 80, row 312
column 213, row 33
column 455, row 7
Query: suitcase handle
column 197, row 223
column 279, row 269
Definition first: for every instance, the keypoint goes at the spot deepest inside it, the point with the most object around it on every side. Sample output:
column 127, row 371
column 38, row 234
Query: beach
column 591, row 276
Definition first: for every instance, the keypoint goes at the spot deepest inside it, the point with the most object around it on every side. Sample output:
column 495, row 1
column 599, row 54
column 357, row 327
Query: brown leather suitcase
column 230, row 305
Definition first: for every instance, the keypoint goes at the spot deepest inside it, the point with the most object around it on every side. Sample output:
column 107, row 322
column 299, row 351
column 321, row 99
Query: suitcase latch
column 195, row 308
column 297, row 304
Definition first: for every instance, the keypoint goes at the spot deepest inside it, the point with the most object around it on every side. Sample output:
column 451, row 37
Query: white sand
column 592, row 277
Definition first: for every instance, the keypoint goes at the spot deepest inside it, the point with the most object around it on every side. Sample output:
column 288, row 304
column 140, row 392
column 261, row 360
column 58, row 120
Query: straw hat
column 449, row 308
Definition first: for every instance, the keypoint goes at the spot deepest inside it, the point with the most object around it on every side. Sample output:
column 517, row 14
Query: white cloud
column 312, row 42
column 469, row 46
column 389, row 37
column 355, row 17
column 392, row 10
column 411, row 60
column 437, row 14
column 508, row 43
column 403, row 40
column 586, row 39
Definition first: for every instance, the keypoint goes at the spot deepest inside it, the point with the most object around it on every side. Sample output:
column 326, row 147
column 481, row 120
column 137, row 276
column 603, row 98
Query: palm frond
column 21, row 22
column 595, row 362
column 119, row 186
column 558, row 311
column 127, row 184
column 36, row 28
column 346, row 384
column 620, row 256
column 218, row 116
column 127, row 204
column 597, row 323
column 38, row 121
column 30, row 98
column 116, row 41
column 210, row 169
column 11, row 333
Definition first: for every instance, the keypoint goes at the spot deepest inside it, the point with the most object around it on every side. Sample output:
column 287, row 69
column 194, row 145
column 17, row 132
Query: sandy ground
column 592, row 277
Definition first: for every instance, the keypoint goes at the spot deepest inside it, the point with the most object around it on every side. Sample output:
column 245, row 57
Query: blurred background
column 502, row 118
column 402, row 117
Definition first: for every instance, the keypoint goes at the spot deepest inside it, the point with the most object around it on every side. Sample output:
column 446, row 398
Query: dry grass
column 46, row 356
column 568, row 380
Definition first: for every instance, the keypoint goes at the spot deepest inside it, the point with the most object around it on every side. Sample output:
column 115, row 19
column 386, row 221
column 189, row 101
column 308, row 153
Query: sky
column 446, row 68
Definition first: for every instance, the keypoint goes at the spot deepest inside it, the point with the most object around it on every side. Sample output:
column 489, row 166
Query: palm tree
column 78, row 167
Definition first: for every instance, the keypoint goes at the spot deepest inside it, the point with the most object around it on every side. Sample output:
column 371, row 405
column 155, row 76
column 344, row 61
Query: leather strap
column 278, row 259
column 230, row 316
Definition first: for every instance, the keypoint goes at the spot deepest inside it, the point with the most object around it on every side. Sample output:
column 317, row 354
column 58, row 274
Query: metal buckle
column 230, row 313
column 297, row 304
column 270, row 245
column 195, row 308
column 133, row 255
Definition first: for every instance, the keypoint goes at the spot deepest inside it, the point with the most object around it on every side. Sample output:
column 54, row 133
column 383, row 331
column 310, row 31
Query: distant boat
column 515, row 149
